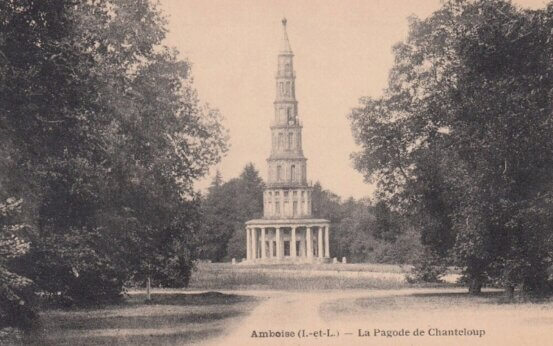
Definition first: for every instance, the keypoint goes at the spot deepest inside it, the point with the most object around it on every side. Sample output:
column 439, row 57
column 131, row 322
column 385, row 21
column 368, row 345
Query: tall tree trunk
column 509, row 292
column 475, row 286
column 148, row 284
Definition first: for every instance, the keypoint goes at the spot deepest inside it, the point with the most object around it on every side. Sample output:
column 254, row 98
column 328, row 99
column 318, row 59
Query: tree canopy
column 103, row 135
column 365, row 230
column 460, row 141
column 225, row 209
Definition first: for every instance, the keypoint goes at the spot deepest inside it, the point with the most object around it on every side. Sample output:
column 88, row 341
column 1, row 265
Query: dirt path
column 284, row 313
column 298, row 313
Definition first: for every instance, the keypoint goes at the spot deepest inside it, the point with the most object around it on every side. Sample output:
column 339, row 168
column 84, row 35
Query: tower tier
column 287, row 195
column 287, row 203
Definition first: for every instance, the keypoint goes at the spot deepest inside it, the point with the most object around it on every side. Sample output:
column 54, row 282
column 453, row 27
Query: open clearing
column 314, row 300
column 344, row 313
column 171, row 319
column 306, row 277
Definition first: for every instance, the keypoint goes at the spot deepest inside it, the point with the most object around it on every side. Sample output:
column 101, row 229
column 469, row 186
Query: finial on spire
column 285, row 48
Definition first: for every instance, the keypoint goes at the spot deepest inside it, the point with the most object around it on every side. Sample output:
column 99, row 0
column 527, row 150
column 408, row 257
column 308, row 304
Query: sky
column 343, row 51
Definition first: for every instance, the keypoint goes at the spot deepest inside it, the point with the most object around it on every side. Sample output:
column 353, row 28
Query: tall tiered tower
column 288, row 194
column 287, row 232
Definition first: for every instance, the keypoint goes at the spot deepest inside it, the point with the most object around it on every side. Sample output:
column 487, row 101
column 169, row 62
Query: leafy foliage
column 460, row 142
column 360, row 231
column 364, row 231
column 225, row 209
column 16, row 291
column 106, row 136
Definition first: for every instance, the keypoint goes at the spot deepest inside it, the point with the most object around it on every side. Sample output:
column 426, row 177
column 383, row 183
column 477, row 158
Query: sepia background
column 104, row 238
column 343, row 50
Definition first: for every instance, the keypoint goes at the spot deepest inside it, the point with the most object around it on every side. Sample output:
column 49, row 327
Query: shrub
column 428, row 268
column 16, row 291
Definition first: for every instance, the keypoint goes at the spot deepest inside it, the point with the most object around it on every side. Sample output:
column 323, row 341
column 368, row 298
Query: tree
column 365, row 231
column 352, row 235
column 249, row 204
column 460, row 140
column 168, row 254
column 108, row 136
column 226, row 208
column 16, row 291
column 386, row 223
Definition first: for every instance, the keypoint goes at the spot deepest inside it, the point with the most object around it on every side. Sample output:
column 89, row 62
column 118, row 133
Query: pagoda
column 287, row 232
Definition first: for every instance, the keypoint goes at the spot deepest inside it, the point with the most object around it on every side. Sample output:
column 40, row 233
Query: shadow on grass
column 192, row 299
column 177, row 338
column 431, row 301
column 200, row 299
column 457, row 295
column 167, row 320
column 134, row 322
column 494, row 297
column 415, row 301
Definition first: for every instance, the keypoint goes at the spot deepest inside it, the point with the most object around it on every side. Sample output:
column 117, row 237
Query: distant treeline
column 361, row 230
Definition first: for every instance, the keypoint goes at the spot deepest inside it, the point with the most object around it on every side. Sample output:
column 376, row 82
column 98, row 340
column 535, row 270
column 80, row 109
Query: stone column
column 254, row 242
column 327, row 242
column 271, row 246
column 248, row 244
column 278, row 243
column 320, row 241
column 263, row 245
column 309, row 241
column 293, row 242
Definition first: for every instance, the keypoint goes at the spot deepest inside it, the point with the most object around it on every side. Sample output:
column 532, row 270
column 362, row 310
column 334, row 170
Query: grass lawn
column 302, row 277
column 515, row 323
column 177, row 318
column 489, row 299
column 171, row 319
column 419, row 301
column 362, row 267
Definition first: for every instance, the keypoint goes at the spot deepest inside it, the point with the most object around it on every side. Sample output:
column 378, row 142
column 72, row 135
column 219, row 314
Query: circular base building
column 287, row 232
column 287, row 240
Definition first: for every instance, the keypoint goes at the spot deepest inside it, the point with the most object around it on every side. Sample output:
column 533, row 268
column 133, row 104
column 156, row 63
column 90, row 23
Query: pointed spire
column 285, row 43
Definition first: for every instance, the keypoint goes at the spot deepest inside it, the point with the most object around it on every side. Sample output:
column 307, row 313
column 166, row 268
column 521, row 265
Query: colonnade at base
column 295, row 242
